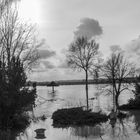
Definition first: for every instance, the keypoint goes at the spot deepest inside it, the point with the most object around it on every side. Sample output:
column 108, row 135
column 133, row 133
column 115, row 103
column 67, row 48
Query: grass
column 77, row 116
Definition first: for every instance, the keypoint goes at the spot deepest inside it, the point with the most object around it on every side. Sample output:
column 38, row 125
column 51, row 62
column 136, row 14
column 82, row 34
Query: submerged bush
column 76, row 116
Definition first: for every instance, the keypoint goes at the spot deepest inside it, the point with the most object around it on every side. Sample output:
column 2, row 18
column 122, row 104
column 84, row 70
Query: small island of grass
column 77, row 116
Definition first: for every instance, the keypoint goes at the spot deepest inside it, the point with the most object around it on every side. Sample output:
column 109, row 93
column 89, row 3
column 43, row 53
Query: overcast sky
column 115, row 24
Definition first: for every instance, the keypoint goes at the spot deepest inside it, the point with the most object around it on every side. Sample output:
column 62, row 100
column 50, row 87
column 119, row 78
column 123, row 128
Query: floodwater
column 73, row 96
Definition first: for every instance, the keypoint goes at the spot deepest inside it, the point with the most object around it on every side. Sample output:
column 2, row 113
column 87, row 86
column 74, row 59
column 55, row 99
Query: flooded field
column 73, row 96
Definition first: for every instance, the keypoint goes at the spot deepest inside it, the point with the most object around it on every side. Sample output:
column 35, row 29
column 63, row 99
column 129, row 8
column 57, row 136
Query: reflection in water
column 87, row 131
column 52, row 95
column 74, row 96
column 119, row 129
column 136, row 115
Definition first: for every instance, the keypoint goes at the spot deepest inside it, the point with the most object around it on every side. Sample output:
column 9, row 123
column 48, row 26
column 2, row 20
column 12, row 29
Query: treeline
column 82, row 82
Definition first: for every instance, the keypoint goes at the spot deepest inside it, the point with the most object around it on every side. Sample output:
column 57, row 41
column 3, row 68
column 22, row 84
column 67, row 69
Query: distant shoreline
column 82, row 82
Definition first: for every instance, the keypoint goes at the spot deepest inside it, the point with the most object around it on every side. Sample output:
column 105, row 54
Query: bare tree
column 116, row 69
column 17, row 52
column 82, row 55
column 4, row 4
column 16, row 39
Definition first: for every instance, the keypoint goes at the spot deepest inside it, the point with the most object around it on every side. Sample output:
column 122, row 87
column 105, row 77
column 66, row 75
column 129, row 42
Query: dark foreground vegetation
column 77, row 116
column 16, row 55
column 130, row 106
column 15, row 98
column 133, row 104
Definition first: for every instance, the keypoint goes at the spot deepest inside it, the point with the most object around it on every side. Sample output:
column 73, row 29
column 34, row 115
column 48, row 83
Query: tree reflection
column 87, row 131
column 136, row 115
column 118, row 129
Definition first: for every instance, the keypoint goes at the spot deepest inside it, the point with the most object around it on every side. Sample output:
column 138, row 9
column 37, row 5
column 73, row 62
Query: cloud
column 43, row 54
column 48, row 65
column 43, row 65
column 115, row 48
column 134, row 46
column 89, row 28
column 63, row 65
column 132, row 51
column 56, row 74
column 49, row 75
column 41, row 43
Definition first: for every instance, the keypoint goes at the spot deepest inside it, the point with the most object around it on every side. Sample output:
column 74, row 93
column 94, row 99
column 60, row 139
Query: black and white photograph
column 69, row 69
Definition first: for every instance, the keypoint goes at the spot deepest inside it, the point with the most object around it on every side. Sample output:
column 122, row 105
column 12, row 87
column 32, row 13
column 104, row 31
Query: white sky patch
column 30, row 10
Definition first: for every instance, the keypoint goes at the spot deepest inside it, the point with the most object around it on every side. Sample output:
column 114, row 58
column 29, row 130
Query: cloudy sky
column 114, row 23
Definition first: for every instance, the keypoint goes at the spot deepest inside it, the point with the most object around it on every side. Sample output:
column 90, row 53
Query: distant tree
column 82, row 55
column 116, row 69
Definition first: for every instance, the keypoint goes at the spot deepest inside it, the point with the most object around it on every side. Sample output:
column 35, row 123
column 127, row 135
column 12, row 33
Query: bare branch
column 16, row 39
column 116, row 70
column 81, row 55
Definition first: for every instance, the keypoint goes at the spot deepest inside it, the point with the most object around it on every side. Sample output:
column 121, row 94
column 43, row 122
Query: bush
column 20, row 122
column 76, row 116
column 133, row 104
column 15, row 96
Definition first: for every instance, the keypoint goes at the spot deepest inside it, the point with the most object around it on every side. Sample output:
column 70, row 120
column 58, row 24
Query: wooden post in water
column 52, row 84
column 52, row 89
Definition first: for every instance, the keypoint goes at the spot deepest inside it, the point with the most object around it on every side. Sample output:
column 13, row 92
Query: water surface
column 74, row 95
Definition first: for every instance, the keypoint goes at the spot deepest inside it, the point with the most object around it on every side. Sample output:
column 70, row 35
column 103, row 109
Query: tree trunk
column 87, row 89
column 116, row 101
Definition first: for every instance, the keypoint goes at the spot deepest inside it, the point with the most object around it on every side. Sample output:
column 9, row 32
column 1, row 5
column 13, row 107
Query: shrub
column 15, row 96
column 76, row 116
